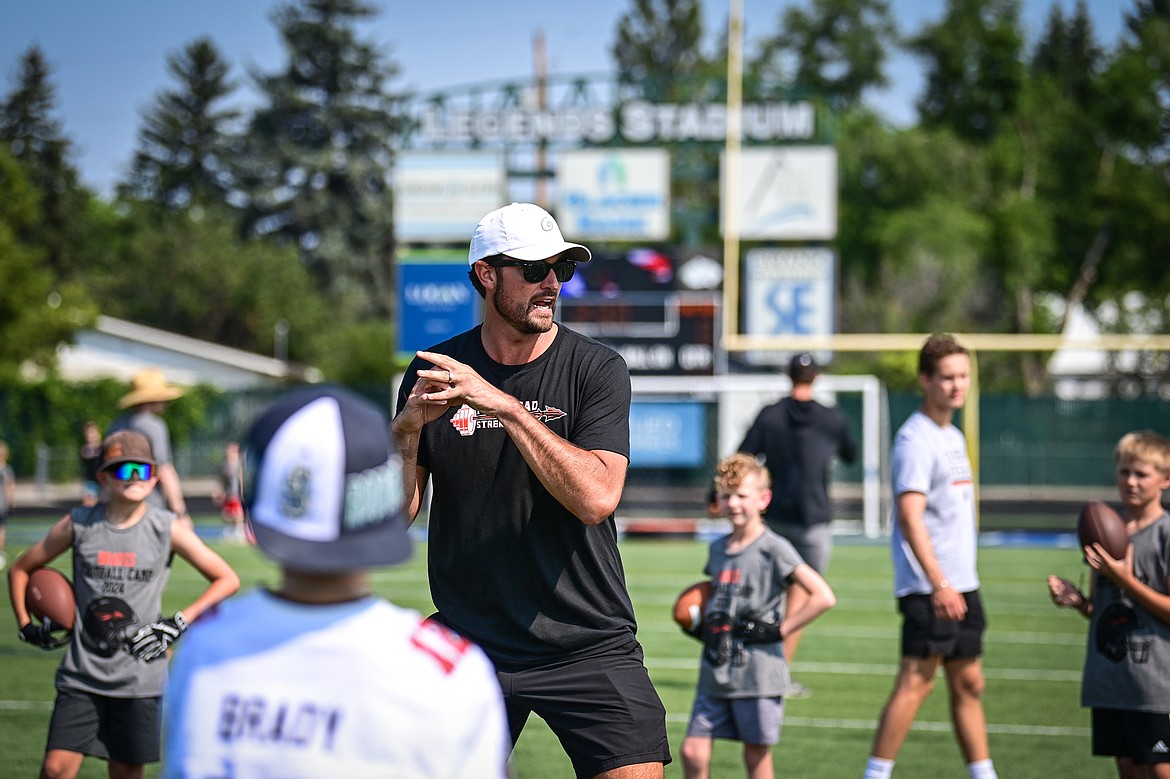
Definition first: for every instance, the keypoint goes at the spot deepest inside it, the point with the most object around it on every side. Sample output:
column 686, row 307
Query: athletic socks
column 982, row 769
column 878, row 768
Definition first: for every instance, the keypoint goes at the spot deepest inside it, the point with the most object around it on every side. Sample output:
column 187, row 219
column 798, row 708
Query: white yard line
column 937, row 727
column 880, row 669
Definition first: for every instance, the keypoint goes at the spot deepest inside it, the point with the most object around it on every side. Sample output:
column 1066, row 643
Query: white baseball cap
column 523, row 231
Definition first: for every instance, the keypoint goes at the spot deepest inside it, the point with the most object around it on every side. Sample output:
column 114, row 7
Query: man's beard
column 517, row 314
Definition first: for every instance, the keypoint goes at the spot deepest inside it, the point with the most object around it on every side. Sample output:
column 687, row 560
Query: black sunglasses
column 536, row 272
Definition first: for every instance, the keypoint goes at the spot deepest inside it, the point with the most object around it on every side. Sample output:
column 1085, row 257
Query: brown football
column 1098, row 523
column 689, row 607
column 50, row 597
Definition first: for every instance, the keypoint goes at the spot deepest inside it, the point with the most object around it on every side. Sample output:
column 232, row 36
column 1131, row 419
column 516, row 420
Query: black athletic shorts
column 124, row 729
column 1142, row 736
column 924, row 634
column 604, row 709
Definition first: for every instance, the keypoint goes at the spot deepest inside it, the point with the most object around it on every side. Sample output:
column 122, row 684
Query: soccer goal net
column 706, row 418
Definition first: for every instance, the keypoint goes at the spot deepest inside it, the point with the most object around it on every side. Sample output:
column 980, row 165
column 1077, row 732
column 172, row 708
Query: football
column 688, row 609
column 50, row 597
column 1098, row 523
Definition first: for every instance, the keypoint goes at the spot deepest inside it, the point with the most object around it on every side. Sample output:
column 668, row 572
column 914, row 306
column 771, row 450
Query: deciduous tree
column 835, row 48
column 36, row 313
column 974, row 67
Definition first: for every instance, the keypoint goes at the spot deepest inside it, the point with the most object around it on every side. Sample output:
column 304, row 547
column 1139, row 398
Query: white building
column 118, row 349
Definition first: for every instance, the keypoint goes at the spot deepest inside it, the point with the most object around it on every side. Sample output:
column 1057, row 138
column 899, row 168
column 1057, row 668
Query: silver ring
column 450, row 381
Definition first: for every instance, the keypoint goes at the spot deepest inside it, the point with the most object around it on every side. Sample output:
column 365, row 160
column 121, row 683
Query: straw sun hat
column 149, row 386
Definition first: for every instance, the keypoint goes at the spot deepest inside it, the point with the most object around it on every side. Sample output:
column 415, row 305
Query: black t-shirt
column 510, row 567
column 799, row 439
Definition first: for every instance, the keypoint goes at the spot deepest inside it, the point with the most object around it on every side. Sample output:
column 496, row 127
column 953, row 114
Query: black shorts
column 123, row 729
column 603, row 709
column 924, row 634
column 1142, row 736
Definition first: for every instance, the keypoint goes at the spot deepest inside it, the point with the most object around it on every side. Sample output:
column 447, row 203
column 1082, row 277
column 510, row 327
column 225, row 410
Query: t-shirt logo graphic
column 467, row 420
column 1113, row 629
column 104, row 625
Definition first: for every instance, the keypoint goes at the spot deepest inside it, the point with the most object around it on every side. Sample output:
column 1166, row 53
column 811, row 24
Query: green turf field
column 1033, row 660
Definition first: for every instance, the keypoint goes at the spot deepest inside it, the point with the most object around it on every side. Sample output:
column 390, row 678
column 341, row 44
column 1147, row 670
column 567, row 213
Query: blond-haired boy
column 1126, row 680
column 743, row 675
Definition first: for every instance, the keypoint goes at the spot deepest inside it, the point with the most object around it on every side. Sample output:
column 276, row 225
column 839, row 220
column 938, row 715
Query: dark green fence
column 1039, row 442
column 42, row 424
column 1049, row 441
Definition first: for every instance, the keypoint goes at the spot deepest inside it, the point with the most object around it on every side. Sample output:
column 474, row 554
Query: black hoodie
column 798, row 439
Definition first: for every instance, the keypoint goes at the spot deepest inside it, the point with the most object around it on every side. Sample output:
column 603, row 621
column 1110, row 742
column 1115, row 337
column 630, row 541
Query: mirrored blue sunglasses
column 127, row 471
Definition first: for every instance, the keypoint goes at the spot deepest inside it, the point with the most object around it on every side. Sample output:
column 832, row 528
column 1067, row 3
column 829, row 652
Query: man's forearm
column 406, row 444
column 582, row 481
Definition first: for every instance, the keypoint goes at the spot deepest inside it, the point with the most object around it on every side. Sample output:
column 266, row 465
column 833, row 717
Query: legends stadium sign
column 633, row 122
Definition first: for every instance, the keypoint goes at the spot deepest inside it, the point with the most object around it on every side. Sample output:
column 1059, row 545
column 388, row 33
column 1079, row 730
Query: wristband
column 943, row 585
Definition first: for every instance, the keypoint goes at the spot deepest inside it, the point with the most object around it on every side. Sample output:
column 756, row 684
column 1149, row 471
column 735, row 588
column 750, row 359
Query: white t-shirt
column 265, row 687
column 933, row 460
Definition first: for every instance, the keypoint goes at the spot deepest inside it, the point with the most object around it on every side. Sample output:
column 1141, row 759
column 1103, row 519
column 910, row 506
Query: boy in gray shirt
column 110, row 682
column 743, row 676
column 1126, row 679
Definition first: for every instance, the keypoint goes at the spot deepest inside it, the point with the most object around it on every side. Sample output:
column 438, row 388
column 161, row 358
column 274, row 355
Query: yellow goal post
column 975, row 342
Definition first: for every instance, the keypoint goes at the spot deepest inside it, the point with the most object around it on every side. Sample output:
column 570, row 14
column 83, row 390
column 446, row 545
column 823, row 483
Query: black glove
column 152, row 641
column 755, row 631
column 41, row 635
column 717, row 638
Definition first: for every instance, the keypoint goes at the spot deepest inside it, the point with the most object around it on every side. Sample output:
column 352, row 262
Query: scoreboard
column 657, row 333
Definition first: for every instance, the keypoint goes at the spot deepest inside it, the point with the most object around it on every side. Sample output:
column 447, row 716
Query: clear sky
column 109, row 56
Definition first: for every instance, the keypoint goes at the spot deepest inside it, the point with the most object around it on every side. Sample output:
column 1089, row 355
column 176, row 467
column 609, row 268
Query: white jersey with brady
column 265, row 687
column 933, row 460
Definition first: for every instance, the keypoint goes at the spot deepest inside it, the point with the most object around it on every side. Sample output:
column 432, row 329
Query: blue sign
column 671, row 435
column 435, row 302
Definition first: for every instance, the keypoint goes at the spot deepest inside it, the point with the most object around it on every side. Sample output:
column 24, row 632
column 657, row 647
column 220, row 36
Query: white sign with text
column 614, row 194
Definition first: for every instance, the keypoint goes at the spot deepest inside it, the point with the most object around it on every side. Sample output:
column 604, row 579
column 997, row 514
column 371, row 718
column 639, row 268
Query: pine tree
column 658, row 51
column 35, row 139
column 185, row 142
column 319, row 154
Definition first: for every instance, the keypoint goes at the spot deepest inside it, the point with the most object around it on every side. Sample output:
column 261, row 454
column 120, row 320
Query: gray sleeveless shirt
column 118, row 579
column 1127, row 660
